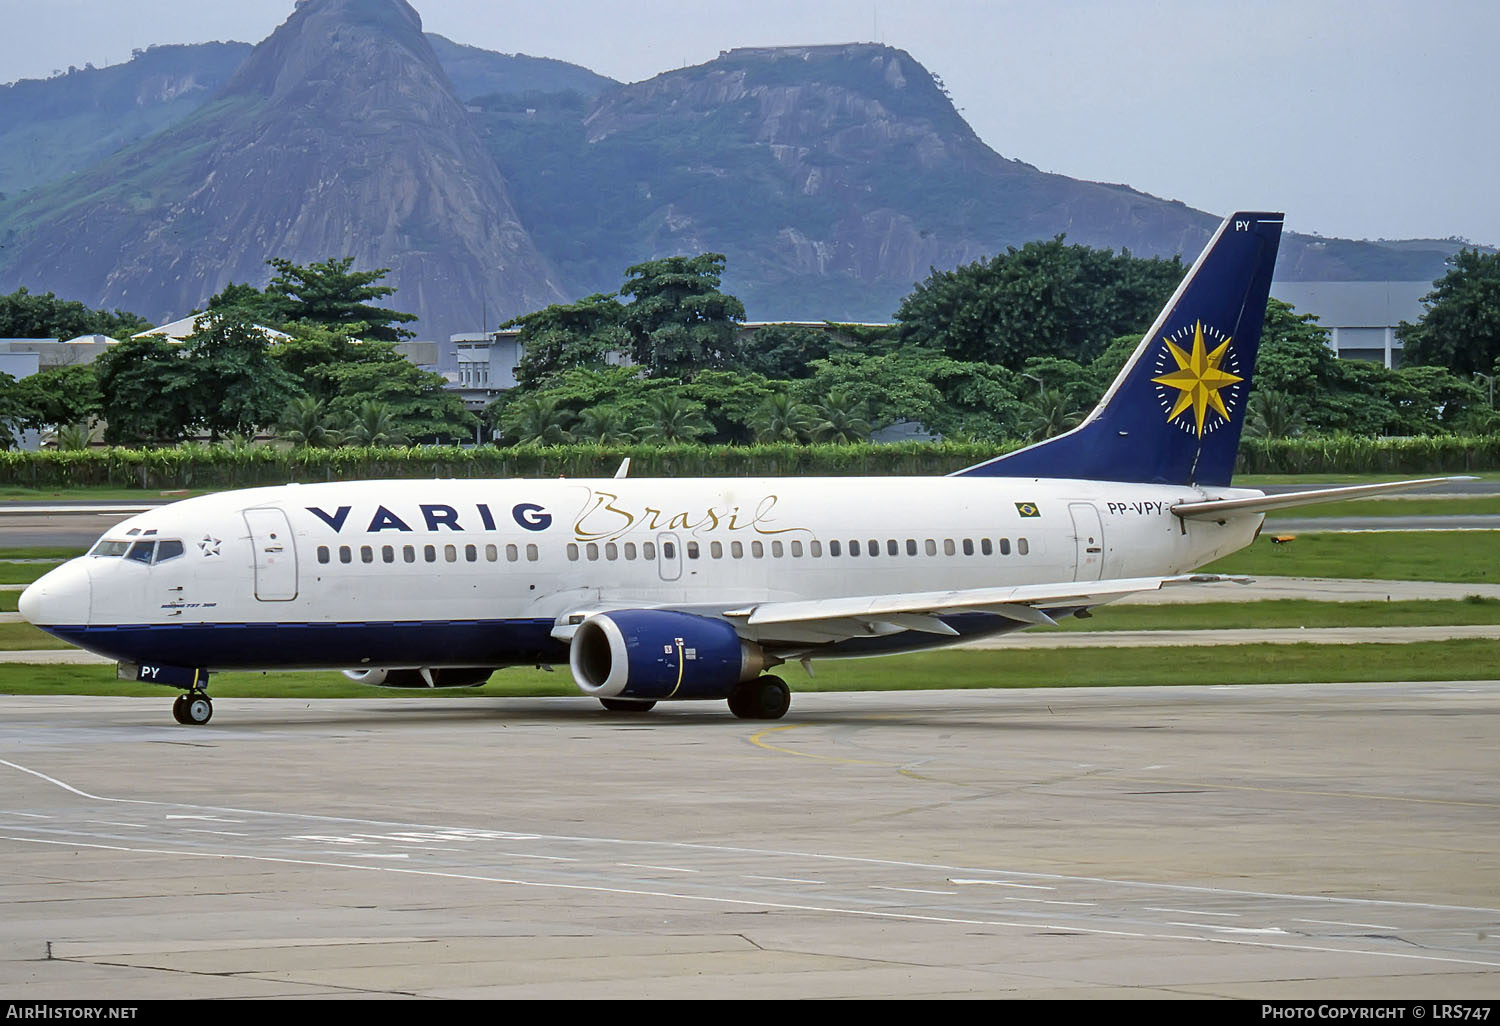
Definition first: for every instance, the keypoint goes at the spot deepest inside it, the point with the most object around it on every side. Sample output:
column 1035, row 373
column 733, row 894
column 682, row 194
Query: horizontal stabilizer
column 1223, row 509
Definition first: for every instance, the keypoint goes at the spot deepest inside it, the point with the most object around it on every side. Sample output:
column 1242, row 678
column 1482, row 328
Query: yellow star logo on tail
column 1198, row 378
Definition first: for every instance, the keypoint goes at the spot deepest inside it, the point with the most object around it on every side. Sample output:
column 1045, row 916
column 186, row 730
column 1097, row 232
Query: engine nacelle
column 444, row 677
column 660, row 654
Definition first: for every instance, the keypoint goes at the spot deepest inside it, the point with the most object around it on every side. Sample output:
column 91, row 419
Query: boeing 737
column 667, row 590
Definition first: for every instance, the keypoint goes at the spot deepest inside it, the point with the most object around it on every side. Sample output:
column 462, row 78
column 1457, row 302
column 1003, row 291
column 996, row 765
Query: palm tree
column 1050, row 413
column 373, row 424
column 602, row 424
column 841, row 418
column 536, row 420
column 1273, row 414
column 307, row 422
column 674, row 418
column 780, row 418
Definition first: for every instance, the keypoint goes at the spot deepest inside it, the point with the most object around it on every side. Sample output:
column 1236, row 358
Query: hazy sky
column 1359, row 118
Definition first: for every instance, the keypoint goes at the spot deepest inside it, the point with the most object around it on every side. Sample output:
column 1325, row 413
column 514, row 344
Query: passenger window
column 776, row 550
column 323, row 554
column 141, row 551
column 949, row 548
column 854, row 548
column 630, row 550
column 737, row 549
column 911, row 546
column 1021, row 547
column 471, row 553
column 968, row 546
column 429, row 553
column 573, row 552
column 986, row 546
column 450, row 553
column 409, row 553
column 387, row 553
column 796, row 550
column 512, row 554
column 930, row 547
column 757, row 550
column 815, row 549
column 491, row 554
column 531, row 554
column 648, row 549
column 716, row 549
column 833, row 548
column 592, row 551
column 366, row 554
column 692, row 550
column 1004, row 546
column 668, row 550
column 346, row 554
column 611, row 551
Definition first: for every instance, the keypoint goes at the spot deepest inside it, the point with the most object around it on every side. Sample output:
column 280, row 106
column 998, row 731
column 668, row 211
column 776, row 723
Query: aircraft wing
column 1223, row 509
column 822, row 620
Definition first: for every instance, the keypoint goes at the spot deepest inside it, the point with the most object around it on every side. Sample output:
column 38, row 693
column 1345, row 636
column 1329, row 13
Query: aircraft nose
column 60, row 596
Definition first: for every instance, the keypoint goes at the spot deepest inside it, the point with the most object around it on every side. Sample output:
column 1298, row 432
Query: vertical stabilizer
column 1175, row 412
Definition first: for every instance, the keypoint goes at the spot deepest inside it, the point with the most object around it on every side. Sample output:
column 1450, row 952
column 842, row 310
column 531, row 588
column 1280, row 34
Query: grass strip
column 1460, row 557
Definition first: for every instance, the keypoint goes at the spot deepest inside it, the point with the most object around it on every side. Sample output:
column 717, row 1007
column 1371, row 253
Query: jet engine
column 652, row 654
column 444, row 677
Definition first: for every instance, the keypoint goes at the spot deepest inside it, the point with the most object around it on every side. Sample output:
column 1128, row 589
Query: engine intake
column 661, row 654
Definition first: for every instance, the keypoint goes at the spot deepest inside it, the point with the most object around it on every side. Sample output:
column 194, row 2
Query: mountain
column 832, row 177
column 475, row 72
column 339, row 135
column 57, row 126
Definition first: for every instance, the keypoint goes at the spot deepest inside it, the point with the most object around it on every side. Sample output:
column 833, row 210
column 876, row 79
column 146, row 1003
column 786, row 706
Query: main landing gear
column 193, row 708
column 767, row 698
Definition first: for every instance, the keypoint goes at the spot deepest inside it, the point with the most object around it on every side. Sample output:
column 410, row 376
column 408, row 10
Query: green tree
column 679, row 322
column 1460, row 329
column 24, row 314
column 330, row 294
column 1044, row 299
column 568, row 335
column 147, row 389
column 236, row 385
column 59, row 396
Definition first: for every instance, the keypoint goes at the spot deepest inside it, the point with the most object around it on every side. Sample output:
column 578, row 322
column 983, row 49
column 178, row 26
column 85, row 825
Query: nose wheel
column 194, row 708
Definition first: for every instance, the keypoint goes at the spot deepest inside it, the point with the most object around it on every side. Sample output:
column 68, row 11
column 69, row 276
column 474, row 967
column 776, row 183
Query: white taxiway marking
column 664, row 869
column 1190, row 912
column 784, row 879
column 999, row 883
column 1334, row 922
column 907, row 890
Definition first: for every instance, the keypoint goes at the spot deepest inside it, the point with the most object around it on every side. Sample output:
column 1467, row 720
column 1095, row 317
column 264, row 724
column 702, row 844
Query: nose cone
column 58, row 597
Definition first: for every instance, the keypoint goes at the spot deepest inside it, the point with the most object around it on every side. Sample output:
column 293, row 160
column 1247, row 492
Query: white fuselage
column 365, row 562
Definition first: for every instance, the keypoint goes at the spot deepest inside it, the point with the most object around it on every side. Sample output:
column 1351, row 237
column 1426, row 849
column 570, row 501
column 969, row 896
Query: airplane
column 654, row 590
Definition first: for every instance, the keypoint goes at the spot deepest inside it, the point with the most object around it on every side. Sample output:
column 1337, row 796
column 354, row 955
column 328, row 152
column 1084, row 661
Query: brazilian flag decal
column 1028, row 509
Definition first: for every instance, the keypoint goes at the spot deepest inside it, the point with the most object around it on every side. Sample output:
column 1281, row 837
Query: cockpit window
column 168, row 549
column 141, row 551
column 110, row 548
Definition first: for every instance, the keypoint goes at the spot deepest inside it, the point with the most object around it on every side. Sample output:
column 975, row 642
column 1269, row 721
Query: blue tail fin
column 1175, row 412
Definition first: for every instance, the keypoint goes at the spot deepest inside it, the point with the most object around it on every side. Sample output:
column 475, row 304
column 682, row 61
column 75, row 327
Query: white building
column 1360, row 316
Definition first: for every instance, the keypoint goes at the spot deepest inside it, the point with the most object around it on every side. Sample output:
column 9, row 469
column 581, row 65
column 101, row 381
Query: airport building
column 1360, row 317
